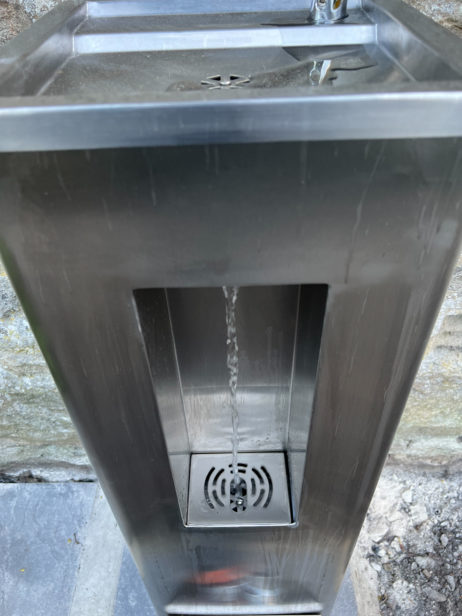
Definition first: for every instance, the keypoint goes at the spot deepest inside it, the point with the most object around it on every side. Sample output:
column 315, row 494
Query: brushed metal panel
column 376, row 221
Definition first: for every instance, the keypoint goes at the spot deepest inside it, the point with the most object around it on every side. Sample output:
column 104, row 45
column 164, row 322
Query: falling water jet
column 232, row 362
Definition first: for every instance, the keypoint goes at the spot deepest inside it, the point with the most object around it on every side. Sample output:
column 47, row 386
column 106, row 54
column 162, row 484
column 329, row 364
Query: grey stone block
column 40, row 530
column 63, row 555
column 132, row 598
column 345, row 605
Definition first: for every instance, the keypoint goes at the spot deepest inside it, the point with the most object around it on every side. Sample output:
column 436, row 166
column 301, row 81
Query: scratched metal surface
column 377, row 221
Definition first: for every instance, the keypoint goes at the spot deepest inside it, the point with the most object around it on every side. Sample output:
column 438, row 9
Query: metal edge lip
column 34, row 105
column 372, row 91
column 213, row 609
column 198, row 609
column 417, row 114
column 243, row 525
column 277, row 609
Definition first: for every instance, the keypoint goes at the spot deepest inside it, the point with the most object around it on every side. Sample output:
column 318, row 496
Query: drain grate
column 259, row 498
column 255, row 487
column 220, row 82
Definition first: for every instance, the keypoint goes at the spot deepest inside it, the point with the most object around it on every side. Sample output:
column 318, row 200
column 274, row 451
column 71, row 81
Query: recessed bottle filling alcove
column 278, row 334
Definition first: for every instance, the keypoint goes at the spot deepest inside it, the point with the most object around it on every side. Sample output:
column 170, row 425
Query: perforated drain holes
column 254, row 489
column 216, row 82
column 260, row 497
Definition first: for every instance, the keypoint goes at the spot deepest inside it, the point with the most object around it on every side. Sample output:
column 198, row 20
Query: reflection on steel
column 327, row 189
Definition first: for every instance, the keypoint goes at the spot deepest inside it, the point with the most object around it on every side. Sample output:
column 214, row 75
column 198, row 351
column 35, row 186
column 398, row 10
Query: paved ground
column 63, row 555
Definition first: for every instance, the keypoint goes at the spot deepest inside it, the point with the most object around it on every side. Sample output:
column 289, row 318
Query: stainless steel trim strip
column 52, row 125
column 125, row 42
column 128, row 8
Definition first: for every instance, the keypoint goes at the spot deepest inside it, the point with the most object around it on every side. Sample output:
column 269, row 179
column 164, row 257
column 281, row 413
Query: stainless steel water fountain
column 307, row 153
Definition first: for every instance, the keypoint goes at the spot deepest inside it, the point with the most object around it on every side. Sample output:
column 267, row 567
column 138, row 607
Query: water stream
column 232, row 362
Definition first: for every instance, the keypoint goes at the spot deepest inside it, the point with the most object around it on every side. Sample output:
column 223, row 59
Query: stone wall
column 431, row 426
column 36, row 432
column 13, row 19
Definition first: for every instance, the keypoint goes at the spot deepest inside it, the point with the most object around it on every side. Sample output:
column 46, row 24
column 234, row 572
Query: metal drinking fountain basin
column 306, row 152
column 133, row 73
